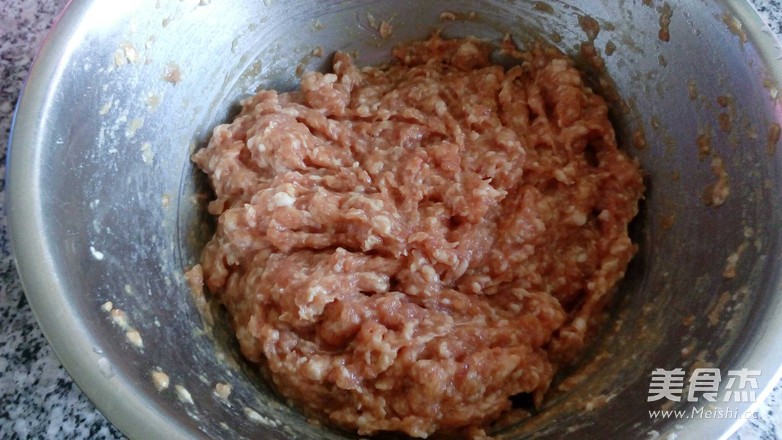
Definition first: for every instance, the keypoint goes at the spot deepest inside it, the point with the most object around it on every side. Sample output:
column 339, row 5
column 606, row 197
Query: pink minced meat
column 405, row 247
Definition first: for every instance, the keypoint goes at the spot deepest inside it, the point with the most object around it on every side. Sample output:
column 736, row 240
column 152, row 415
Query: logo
column 704, row 383
column 703, row 387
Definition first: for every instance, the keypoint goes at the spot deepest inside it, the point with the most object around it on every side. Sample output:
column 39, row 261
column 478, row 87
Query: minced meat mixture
column 405, row 247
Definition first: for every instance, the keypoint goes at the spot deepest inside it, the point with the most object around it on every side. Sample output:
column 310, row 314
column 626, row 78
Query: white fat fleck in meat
column 382, row 224
column 371, row 242
column 282, row 199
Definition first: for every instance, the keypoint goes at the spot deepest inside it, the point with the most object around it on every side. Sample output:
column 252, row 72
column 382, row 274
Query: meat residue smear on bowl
column 406, row 247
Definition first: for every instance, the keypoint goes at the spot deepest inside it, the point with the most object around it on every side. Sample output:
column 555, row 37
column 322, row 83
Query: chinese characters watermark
column 704, row 384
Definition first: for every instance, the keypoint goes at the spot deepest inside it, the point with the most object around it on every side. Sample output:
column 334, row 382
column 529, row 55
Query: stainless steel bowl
column 104, row 204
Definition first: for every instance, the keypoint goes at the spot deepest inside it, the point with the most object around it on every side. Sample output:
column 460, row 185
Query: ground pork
column 405, row 247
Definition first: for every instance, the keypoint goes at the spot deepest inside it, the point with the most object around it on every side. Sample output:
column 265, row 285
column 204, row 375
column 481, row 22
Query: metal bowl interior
column 104, row 204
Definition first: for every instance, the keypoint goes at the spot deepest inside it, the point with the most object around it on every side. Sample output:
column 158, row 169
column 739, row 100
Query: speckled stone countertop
column 37, row 397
